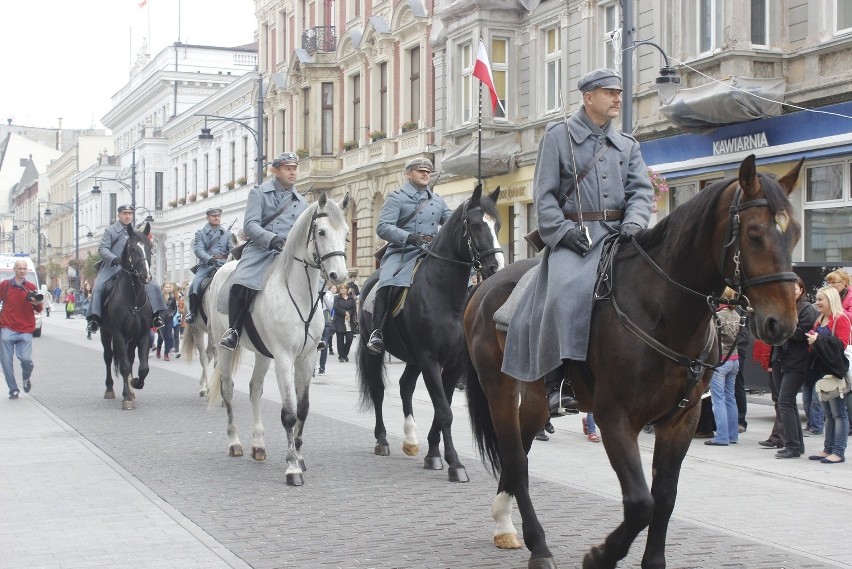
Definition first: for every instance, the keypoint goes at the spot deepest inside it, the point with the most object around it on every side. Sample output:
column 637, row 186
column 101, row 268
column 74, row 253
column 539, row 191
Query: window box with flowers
column 303, row 153
column 173, row 203
column 660, row 185
column 378, row 135
column 241, row 181
column 214, row 190
column 181, row 201
column 230, row 185
column 408, row 126
column 204, row 194
column 190, row 198
column 350, row 145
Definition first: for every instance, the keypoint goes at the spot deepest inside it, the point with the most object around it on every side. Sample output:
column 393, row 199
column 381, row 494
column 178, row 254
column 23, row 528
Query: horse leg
column 302, row 380
column 124, row 368
column 371, row 374
column 203, row 360
column 143, row 369
column 672, row 441
column 622, row 449
column 258, row 445
column 442, row 423
column 235, row 447
column 106, row 342
column 284, row 374
column 505, row 534
column 407, row 383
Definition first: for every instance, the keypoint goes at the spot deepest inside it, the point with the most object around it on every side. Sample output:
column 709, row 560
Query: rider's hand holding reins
column 277, row 243
column 628, row 230
column 414, row 239
column 576, row 240
column 115, row 262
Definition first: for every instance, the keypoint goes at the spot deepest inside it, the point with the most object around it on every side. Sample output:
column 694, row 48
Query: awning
column 498, row 157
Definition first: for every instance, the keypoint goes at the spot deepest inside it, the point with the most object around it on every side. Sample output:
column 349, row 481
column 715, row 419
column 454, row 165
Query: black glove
column 212, row 262
column 628, row 230
column 413, row 239
column 576, row 240
column 116, row 262
column 277, row 243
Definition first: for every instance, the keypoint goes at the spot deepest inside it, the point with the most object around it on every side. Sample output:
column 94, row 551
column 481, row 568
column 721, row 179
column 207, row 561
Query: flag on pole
column 142, row 3
column 482, row 71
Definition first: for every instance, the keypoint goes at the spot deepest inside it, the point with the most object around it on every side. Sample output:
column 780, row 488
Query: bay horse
column 289, row 321
column 427, row 334
column 127, row 317
column 654, row 308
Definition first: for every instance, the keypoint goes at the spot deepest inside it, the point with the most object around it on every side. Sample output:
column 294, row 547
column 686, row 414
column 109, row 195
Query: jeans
column 813, row 407
column 788, row 384
column 590, row 424
column 836, row 426
column 11, row 342
column 724, row 402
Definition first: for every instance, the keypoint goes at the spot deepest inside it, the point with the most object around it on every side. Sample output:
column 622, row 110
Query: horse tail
column 371, row 375
column 187, row 348
column 480, row 417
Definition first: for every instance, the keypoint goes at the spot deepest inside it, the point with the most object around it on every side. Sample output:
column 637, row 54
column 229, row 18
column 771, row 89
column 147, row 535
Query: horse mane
column 299, row 233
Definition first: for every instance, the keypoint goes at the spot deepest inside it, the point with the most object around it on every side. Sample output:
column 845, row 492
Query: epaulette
column 553, row 124
column 630, row 136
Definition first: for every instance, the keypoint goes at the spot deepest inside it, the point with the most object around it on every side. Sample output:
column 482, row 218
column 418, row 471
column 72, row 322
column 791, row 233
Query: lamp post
column 37, row 225
column 206, row 137
column 76, row 211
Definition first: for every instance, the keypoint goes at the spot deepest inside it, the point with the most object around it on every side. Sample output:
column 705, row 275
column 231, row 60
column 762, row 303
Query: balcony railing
column 319, row 39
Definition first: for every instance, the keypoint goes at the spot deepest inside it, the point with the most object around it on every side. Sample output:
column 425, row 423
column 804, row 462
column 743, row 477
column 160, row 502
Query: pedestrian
column 590, row 429
column 839, row 280
column 585, row 167
column 344, row 318
column 57, row 294
column 724, row 377
column 70, row 303
column 166, row 333
column 327, row 311
column 211, row 246
column 354, row 289
column 271, row 210
column 21, row 301
column 762, row 354
column 409, row 220
column 790, row 363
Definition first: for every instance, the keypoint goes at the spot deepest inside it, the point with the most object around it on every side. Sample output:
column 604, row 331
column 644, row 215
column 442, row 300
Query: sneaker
column 230, row 339
column 27, row 386
column 13, row 395
column 812, row 433
column 769, row 443
column 322, row 371
column 741, row 429
column 166, row 358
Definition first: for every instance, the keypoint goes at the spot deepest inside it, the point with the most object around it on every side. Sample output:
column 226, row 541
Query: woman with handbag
column 829, row 339
column 69, row 303
column 344, row 316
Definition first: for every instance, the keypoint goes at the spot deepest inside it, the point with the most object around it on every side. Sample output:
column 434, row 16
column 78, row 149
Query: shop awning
column 498, row 157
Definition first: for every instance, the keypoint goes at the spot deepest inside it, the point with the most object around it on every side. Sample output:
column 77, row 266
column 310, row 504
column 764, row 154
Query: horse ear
column 495, row 195
column 147, row 229
column 748, row 176
column 323, row 199
column 477, row 193
column 788, row 180
column 345, row 203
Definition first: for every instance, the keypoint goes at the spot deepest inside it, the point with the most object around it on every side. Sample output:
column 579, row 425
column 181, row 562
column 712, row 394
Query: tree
column 90, row 271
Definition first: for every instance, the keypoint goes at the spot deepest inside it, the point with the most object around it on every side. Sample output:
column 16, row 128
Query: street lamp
column 206, row 137
column 149, row 218
column 96, row 189
column 39, row 236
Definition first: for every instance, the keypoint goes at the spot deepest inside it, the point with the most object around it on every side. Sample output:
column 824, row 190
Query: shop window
column 828, row 213
column 679, row 194
column 825, row 183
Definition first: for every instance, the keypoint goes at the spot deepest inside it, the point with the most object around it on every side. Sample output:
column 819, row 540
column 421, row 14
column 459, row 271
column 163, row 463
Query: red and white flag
column 482, row 71
column 142, row 3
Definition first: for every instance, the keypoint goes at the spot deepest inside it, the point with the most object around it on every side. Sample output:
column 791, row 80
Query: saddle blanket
column 504, row 314
column 224, row 294
column 370, row 302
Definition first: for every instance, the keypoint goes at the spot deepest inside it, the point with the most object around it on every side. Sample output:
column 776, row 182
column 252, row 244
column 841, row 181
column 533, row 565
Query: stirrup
column 92, row 326
column 230, row 339
column 560, row 404
column 158, row 322
column 190, row 318
column 321, row 346
column 376, row 344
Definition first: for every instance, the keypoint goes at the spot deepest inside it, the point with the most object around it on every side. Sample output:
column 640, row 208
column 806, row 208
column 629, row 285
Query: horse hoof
column 410, row 449
column 258, row 453
column 542, row 563
column 433, row 463
column 202, row 393
column 458, row 474
column 137, row 383
column 302, row 464
column 109, row 394
column 507, row 541
column 294, row 479
column 128, row 405
column 382, row 449
column 235, row 450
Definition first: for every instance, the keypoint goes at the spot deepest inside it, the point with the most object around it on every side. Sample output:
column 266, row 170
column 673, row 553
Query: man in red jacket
column 17, row 322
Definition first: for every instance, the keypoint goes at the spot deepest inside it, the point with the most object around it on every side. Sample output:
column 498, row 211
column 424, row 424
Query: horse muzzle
column 772, row 329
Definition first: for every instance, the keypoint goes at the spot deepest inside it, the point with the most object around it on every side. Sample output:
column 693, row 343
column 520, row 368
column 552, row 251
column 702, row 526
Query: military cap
column 214, row 211
column 419, row 164
column 599, row 79
column 284, row 159
column 125, row 207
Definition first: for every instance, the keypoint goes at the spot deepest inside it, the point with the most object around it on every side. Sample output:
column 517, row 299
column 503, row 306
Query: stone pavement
column 89, row 485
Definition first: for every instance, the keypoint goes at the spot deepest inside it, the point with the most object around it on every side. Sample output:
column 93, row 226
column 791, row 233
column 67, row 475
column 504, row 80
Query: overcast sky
column 66, row 58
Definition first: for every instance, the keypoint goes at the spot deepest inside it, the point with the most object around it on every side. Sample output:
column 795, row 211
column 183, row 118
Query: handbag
column 69, row 307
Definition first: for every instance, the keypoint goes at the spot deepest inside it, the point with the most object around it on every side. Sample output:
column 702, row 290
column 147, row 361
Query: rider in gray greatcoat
column 110, row 249
column 552, row 320
column 409, row 220
column 277, row 196
column 211, row 246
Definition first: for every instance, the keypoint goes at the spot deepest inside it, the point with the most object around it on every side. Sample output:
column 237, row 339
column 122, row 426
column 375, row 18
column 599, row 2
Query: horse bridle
column 135, row 276
column 476, row 256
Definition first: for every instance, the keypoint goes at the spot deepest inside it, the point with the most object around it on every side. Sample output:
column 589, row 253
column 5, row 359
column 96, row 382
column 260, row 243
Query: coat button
column 606, row 195
column 620, row 162
column 603, row 176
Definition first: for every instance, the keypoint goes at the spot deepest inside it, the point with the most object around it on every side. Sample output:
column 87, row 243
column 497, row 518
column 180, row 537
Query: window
column 709, row 25
column 612, row 25
column 219, row 167
column 500, row 72
column 383, row 98
column 282, row 132
column 185, row 180
column 245, row 157
column 355, row 83
column 679, row 194
column 327, row 118
column 306, row 118
column 194, row 175
column 232, row 172
column 552, row 69
column 828, row 213
column 206, row 172
column 759, row 22
column 414, row 84
column 113, row 206
column 844, row 16
column 466, row 59
column 158, row 190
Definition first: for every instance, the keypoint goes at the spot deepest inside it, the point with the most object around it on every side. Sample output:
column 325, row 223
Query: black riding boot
column 92, row 323
column 193, row 305
column 376, row 344
column 560, row 394
column 239, row 302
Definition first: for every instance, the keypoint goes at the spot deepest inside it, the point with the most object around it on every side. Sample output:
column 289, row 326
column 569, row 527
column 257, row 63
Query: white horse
column 289, row 320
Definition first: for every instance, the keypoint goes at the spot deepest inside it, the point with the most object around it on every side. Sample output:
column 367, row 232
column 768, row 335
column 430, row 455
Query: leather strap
column 605, row 215
column 585, row 172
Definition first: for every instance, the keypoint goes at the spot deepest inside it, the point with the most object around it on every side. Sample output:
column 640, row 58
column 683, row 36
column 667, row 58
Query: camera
column 34, row 295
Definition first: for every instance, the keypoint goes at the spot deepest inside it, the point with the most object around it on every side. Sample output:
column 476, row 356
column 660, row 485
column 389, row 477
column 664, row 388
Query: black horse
column 651, row 351
column 127, row 317
column 428, row 334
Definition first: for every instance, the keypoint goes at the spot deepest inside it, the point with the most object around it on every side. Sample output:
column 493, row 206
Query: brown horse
column 654, row 309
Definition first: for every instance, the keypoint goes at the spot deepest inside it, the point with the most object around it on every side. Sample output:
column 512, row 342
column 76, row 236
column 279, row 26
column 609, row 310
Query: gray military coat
column 111, row 247
column 398, row 262
column 208, row 243
column 553, row 316
column 257, row 257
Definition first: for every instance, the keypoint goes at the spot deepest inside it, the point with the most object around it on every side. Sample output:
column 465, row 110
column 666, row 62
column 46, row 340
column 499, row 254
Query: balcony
column 319, row 39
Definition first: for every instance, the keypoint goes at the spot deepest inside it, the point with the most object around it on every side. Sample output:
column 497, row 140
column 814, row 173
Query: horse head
column 329, row 232
column 481, row 225
column 136, row 257
column 756, row 257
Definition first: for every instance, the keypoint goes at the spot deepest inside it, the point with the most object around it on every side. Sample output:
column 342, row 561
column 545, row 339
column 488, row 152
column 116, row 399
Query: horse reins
column 475, row 255
column 134, row 278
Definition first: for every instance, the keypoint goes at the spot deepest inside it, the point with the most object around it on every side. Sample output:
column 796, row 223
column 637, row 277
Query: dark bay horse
column 127, row 317
column 649, row 327
column 427, row 334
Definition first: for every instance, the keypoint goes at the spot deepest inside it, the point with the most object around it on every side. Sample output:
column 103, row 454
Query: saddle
column 396, row 299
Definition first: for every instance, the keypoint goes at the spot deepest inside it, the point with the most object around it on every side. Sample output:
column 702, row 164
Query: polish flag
column 482, row 71
column 142, row 3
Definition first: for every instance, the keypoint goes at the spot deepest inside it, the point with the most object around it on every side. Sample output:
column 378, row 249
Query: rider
column 556, row 308
column 211, row 246
column 110, row 249
column 408, row 222
column 271, row 211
